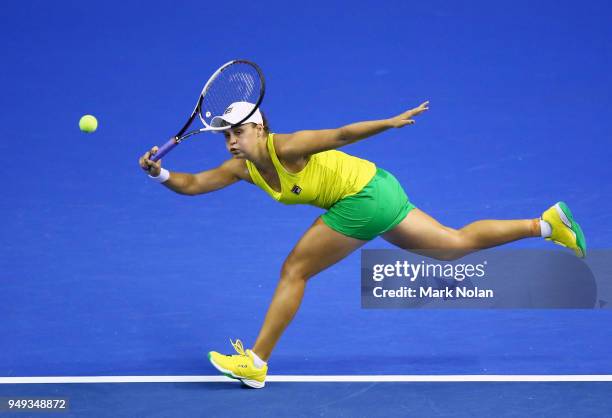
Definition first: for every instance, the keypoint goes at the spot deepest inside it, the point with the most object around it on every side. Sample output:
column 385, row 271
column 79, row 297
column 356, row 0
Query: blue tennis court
column 113, row 288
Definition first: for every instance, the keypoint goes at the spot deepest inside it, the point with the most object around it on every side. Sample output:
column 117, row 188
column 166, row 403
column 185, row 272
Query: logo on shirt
column 296, row 189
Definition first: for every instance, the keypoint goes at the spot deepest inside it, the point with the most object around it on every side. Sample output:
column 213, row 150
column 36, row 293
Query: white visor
column 235, row 113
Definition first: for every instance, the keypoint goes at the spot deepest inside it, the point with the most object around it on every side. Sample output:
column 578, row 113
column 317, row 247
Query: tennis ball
column 88, row 123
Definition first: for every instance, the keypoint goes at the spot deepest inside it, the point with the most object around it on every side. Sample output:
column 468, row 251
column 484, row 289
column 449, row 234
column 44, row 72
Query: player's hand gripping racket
column 235, row 81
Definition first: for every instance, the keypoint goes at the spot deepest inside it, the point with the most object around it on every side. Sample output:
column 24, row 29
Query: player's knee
column 456, row 244
column 292, row 271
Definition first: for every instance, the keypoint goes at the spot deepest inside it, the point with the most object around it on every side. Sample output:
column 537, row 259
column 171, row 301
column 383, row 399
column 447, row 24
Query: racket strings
column 239, row 82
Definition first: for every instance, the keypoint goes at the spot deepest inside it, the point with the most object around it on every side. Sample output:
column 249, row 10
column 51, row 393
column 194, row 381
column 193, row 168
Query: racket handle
column 164, row 149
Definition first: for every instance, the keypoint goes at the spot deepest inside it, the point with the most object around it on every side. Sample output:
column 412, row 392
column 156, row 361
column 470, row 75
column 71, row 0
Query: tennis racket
column 235, row 81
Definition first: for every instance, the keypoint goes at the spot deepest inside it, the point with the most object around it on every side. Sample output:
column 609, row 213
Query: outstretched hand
column 405, row 118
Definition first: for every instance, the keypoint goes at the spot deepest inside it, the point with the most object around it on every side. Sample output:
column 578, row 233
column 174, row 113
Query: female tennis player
column 362, row 202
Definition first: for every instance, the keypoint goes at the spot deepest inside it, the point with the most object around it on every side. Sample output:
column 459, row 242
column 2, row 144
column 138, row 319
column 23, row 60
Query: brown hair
column 266, row 126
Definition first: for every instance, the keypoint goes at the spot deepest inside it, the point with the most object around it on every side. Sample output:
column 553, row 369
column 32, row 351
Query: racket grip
column 164, row 149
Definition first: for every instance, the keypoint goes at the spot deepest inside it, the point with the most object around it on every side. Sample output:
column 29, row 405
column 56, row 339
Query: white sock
column 259, row 363
column 545, row 228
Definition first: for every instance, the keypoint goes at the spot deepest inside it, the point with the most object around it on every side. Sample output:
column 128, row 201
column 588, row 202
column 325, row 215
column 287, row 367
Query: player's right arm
column 206, row 181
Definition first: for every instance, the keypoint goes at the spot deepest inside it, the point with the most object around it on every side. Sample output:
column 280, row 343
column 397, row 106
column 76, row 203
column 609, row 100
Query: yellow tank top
column 327, row 177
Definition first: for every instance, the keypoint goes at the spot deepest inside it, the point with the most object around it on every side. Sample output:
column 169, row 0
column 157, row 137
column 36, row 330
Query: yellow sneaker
column 240, row 366
column 565, row 230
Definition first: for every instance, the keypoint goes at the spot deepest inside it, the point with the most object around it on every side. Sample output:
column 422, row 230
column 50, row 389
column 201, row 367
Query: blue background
column 103, row 272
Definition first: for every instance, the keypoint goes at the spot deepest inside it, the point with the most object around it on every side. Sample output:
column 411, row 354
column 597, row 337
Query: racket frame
column 197, row 111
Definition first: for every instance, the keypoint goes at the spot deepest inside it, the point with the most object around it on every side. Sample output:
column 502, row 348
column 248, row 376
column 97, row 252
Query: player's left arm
column 304, row 143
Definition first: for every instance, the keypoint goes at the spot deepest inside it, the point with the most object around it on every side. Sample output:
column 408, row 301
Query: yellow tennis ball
column 88, row 123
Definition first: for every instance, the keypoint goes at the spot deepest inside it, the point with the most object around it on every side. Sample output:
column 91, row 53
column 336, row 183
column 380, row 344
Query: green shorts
column 376, row 209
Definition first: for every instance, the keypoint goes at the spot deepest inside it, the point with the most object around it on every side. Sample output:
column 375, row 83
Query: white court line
column 313, row 378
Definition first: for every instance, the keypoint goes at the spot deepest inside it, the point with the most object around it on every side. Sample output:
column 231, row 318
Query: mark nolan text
column 431, row 292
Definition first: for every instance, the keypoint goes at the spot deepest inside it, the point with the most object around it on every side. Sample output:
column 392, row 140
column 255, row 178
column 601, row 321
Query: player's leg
column 319, row 248
column 421, row 233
